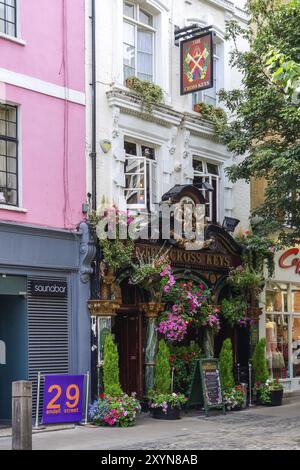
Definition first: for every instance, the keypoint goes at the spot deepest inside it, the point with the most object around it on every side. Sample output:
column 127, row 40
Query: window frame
column 205, row 174
column 15, row 23
column 142, row 26
column 14, row 140
column 199, row 96
column 289, row 312
column 150, row 166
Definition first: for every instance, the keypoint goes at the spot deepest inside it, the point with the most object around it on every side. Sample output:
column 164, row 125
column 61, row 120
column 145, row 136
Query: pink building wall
column 52, row 130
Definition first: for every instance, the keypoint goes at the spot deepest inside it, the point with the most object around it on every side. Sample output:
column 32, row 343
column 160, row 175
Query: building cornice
column 198, row 126
column 40, row 231
column 231, row 8
column 129, row 103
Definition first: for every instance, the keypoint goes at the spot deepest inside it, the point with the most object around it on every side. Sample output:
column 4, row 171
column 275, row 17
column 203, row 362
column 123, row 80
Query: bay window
column 8, row 155
column 8, row 17
column 138, row 42
column 140, row 176
column 205, row 172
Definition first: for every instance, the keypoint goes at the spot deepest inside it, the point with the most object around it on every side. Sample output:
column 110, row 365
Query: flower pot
column 276, row 398
column 172, row 413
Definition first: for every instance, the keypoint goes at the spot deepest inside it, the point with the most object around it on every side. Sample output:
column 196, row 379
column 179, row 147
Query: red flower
column 101, row 396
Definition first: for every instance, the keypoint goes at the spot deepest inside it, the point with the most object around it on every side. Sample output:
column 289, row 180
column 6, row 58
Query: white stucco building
column 173, row 145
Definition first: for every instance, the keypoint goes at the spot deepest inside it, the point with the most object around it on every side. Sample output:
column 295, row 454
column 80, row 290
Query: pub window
column 8, row 155
column 208, row 173
column 138, row 42
column 8, row 17
column 140, row 176
column 210, row 96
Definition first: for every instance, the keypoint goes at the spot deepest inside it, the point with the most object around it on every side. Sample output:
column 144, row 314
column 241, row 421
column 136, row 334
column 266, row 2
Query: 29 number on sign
column 63, row 398
column 72, row 397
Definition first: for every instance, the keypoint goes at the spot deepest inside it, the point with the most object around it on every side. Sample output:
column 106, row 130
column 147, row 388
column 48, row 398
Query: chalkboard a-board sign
column 206, row 387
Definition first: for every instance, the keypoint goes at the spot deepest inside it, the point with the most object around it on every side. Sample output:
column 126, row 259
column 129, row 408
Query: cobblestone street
column 257, row 428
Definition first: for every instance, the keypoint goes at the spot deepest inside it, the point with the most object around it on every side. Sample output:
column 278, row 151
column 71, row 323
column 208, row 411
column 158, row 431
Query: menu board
column 211, row 382
column 206, row 387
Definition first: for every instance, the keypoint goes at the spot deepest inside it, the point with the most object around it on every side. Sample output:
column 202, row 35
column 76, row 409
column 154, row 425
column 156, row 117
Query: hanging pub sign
column 206, row 387
column 196, row 63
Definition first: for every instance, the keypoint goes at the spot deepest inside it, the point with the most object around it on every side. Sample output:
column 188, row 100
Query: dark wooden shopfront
column 210, row 266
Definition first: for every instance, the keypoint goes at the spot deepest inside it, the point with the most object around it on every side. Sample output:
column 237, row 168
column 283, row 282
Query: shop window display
column 282, row 330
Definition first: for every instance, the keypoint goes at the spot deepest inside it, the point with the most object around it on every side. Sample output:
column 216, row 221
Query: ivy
column 149, row 93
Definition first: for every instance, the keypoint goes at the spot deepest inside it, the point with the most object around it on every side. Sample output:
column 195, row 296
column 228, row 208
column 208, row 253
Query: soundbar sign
column 43, row 288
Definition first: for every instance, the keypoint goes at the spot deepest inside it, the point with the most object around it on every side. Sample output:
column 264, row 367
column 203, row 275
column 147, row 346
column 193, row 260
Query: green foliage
column 226, row 365
column 265, row 123
column 149, row 93
column 117, row 253
column 111, row 368
column 259, row 361
column 162, row 373
column 112, row 228
column 183, row 359
column 212, row 113
column 258, row 250
column 234, row 310
column 245, row 280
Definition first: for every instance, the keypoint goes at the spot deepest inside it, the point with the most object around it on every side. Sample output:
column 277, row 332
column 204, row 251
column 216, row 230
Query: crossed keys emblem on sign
column 197, row 65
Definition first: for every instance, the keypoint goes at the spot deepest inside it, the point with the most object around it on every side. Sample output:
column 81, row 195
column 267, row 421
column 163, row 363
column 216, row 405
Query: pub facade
column 140, row 155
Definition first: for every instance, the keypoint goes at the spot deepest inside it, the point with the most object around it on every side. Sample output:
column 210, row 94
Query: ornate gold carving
column 104, row 308
column 151, row 309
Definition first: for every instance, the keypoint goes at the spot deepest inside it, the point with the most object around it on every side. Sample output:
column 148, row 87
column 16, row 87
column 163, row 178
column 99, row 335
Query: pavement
column 263, row 428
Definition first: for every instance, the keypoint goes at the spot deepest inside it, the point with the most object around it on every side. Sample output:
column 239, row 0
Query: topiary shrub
column 226, row 365
column 111, row 379
column 259, row 361
column 162, row 372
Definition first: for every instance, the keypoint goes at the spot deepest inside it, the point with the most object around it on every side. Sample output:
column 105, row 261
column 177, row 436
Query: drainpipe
column 94, row 112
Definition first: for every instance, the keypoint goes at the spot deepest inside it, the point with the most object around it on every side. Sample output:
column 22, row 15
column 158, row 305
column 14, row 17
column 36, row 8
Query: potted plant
column 114, row 411
column 234, row 311
column 271, row 393
column 226, row 365
column 245, row 279
column 260, row 368
column 235, row 398
column 163, row 403
column 113, row 407
column 153, row 274
column 149, row 93
column 234, row 395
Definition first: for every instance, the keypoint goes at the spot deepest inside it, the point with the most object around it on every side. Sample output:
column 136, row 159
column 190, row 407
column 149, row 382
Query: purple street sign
column 63, row 399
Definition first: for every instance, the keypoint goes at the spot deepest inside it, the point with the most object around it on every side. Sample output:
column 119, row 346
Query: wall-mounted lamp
column 230, row 224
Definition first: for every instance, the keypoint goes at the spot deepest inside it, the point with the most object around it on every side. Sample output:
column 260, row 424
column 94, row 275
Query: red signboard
column 197, row 63
column 289, row 259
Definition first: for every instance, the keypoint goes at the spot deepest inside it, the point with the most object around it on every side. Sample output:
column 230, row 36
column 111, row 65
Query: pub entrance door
column 129, row 339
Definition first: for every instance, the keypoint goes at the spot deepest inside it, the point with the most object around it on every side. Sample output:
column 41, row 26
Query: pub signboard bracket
column 180, row 34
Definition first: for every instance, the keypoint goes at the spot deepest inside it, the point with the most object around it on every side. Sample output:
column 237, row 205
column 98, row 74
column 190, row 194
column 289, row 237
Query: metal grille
column 48, row 346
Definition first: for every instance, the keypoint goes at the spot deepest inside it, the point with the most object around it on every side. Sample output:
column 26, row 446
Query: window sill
column 5, row 207
column 12, row 39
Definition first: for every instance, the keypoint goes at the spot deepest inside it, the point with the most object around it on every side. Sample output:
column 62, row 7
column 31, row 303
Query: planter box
column 276, row 398
column 172, row 413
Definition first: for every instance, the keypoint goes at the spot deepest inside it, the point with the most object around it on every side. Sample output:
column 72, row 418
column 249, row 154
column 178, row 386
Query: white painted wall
column 175, row 130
